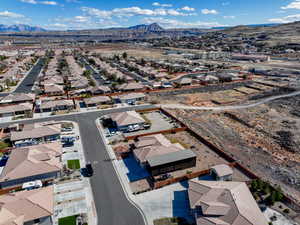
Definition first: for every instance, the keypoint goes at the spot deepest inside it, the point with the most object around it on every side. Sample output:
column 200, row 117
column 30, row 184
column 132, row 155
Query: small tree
column 124, row 55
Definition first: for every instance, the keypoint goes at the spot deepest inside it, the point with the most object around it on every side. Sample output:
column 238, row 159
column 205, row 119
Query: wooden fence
column 157, row 132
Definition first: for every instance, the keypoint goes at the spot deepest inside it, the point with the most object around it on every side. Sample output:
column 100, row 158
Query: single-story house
column 159, row 155
column 128, row 121
column 27, row 207
column 97, row 100
column 54, row 89
column 131, row 87
column 223, row 203
column 35, row 135
column 184, row 81
column 222, row 172
column 80, row 83
column 37, row 162
column 130, row 98
column 16, row 110
column 16, row 98
column 56, row 105
column 101, row 89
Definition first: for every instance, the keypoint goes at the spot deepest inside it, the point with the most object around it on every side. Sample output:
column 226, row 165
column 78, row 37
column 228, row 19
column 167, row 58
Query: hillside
column 282, row 33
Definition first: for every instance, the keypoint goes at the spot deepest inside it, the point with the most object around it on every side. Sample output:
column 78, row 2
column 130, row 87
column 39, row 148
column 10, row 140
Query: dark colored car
column 87, row 171
column 89, row 168
column 68, row 144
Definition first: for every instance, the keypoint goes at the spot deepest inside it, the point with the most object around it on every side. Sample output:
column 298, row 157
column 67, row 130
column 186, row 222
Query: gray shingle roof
column 170, row 157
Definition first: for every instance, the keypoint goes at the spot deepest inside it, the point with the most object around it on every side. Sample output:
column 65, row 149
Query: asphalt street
column 96, row 75
column 113, row 208
column 26, row 85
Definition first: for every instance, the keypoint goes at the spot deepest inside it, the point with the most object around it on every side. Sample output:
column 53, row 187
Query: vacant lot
column 265, row 139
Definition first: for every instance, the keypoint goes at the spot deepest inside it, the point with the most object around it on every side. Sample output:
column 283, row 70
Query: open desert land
column 265, row 139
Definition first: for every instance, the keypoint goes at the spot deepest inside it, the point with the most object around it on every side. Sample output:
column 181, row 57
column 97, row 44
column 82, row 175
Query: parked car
column 68, row 144
column 87, row 171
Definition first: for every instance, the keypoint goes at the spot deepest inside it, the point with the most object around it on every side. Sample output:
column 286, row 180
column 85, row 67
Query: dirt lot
column 213, row 97
column 265, row 139
column 206, row 158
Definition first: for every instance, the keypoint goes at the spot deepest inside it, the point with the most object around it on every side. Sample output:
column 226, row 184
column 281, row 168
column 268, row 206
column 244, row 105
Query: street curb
column 120, row 180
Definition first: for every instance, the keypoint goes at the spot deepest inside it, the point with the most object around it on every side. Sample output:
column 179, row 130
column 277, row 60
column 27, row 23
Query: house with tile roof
column 27, row 207
column 223, row 203
column 37, row 162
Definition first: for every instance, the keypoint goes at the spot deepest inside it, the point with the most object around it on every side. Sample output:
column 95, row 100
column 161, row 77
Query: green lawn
column 74, row 164
column 70, row 220
column 4, row 145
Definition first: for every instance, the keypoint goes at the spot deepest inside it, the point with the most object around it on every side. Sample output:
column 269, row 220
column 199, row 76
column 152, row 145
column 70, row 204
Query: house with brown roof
column 37, row 162
column 16, row 110
column 101, row 89
column 131, row 87
column 130, row 98
column 35, row 135
column 56, row 105
column 27, row 207
column 97, row 100
column 126, row 121
column 80, row 83
column 54, row 89
column 223, row 203
column 159, row 155
column 16, row 98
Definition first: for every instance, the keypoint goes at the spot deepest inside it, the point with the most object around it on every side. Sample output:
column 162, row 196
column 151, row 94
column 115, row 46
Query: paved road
column 97, row 76
column 135, row 76
column 112, row 206
column 230, row 107
column 26, row 85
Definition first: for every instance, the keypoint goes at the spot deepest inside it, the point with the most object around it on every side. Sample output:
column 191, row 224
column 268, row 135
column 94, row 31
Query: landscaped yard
column 69, row 220
column 4, row 145
column 74, row 164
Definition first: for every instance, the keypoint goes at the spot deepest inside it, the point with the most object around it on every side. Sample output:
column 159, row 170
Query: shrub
column 287, row 211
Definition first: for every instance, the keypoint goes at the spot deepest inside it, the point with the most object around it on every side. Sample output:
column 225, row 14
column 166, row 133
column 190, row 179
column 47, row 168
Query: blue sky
column 86, row 14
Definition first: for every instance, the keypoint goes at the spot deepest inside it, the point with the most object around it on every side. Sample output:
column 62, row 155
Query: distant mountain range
column 249, row 25
column 154, row 27
column 150, row 31
column 20, row 28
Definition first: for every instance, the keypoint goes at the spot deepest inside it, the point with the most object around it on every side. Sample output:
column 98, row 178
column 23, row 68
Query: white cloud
column 7, row 14
column 57, row 26
column 81, row 19
column 293, row 5
column 48, row 3
column 133, row 11
column 40, row 2
column 229, row 17
column 29, row 1
column 286, row 19
column 161, row 5
column 172, row 23
column 187, row 8
column 209, row 11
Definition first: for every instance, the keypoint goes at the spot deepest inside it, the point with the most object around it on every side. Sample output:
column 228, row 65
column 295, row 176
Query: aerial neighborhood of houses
column 155, row 135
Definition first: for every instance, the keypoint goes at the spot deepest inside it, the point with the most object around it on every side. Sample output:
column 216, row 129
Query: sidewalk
column 74, row 196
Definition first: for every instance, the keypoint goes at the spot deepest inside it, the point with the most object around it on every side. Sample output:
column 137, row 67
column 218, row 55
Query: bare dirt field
column 265, row 139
